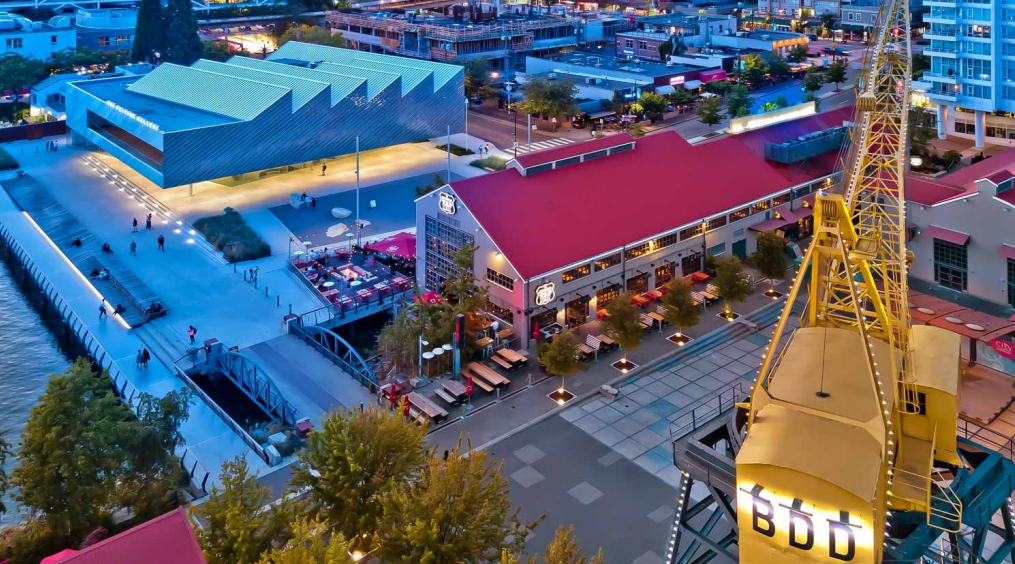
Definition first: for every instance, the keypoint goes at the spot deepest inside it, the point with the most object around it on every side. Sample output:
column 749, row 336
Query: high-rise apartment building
column 972, row 73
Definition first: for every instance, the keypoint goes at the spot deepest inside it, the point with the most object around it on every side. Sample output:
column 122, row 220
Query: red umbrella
column 468, row 387
column 535, row 329
column 405, row 406
column 401, row 245
column 393, row 395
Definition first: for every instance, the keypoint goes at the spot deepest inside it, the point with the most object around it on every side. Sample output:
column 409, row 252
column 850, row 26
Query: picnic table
column 606, row 340
column 422, row 403
column 380, row 287
column 512, row 356
column 654, row 294
column 484, row 342
column 505, row 334
column 454, row 387
column 363, row 295
column 490, row 375
column 657, row 317
column 329, row 292
column 639, row 300
column 602, row 314
column 399, row 281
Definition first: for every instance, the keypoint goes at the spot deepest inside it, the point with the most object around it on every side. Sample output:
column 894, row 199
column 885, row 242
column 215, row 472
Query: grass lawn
column 456, row 150
column 231, row 235
column 7, row 162
column 492, row 163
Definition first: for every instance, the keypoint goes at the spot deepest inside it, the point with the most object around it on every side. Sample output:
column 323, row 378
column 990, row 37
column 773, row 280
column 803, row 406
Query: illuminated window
column 103, row 42
column 604, row 295
column 760, row 207
column 576, row 273
column 500, row 279
column 781, row 199
column 739, row 214
column 690, row 232
column 715, row 223
column 607, row 262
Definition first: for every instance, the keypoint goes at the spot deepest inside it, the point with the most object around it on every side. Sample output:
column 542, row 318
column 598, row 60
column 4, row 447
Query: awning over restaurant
column 712, row 75
column 1007, row 251
column 948, row 235
column 602, row 114
column 769, row 225
column 692, row 84
column 665, row 89
column 924, row 307
column 787, row 214
column 957, row 318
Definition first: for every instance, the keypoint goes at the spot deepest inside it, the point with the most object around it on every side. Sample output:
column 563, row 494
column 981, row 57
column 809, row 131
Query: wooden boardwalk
column 122, row 286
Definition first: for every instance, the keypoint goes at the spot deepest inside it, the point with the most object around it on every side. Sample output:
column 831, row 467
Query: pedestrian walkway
column 523, row 148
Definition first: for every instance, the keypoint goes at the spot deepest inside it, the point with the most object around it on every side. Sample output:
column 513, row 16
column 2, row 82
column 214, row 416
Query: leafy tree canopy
column 550, row 97
column 624, row 321
column 311, row 34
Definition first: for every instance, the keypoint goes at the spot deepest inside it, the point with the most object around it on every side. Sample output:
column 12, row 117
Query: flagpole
column 449, row 154
column 358, row 224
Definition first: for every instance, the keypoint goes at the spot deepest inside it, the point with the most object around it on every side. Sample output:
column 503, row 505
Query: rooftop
column 679, row 19
column 773, row 35
column 962, row 182
column 663, row 184
column 634, row 66
column 168, row 539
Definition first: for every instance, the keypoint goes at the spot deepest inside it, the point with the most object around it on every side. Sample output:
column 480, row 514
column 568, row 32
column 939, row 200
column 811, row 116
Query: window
column 690, row 232
column 664, row 274
column 604, row 295
column 739, row 214
column 443, row 239
column 760, row 207
column 607, row 262
column 1011, row 282
column 715, row 223
column 568, row 161
column 576, row 273
column 642, row 45
column 628, row 43
column 950, row 265
column 123, row 40
column 717, row 250
column 849, row 16
column 52, row 39
column 15, row 42
column 103, row 42
column 500, row 312
column 781, row 199
column 499, row 279
column 963, row 127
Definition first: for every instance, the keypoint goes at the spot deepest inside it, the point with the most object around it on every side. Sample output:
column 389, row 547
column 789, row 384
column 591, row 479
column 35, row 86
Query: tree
column 183, row 46
column 681, row 96
column 352, row 462
column 679, row 307
column 754, row 68
column 777, row 67
column 220, row 50
column 307, row 546
column 477, row 79
column 87, row 60
column 149, row 34
column 17, row 72
column 732, row 283
column 623, row 322
column 396, row 342
column 235, row 529
column 739, row 102
column 770, row 258
column 564, row 549
column 836, row 74
column 550, row 97
column 636, row 130
column 560, row 356
column 718, row 87
column 5, row 453
column 828, row 25
column 457, row 510
column 951, row 157
column 653, row 104
column 920, row 131
column 813, row 81
column 921, row 64
column 709, row 112
column 797, row 54
column 314, row 34
column 665, row 49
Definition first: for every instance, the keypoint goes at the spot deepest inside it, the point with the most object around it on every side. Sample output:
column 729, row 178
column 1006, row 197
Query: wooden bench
column 585, row 352
column 481, row 384
column 502, row 363
column 446, row 397
column 512, row 356
column 646, row 321
column 607, row 342
column 488, row 374
column 431, row 409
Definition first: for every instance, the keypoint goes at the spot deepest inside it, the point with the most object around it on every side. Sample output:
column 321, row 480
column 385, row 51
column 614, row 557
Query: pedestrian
column 146, row 356
column 313, row 202
column 135, row 226
column 139, row 359
column 148, row 222
column 324, row 169
column 162, row 243
column 102, row 310
column 192, row 332
column 133, row 248
column 250, row 275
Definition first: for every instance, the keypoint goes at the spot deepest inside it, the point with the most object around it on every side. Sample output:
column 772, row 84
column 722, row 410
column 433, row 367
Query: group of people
column 147, row 224
column 118, row 310
column 312, row 201
column 52, row 146
column 99, row 274
column 143, row 356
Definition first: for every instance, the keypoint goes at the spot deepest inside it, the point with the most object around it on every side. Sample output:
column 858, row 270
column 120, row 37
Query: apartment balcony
column 948, row 95
column 939, row 77
column 948, row 52
column 931, row 34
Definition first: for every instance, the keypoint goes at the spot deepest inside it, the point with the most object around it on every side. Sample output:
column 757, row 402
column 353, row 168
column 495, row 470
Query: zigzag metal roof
column 303, row 89
column 377, row 81
column 342, row 85
column 411, row 77
column 238, row 98
column 314, row 53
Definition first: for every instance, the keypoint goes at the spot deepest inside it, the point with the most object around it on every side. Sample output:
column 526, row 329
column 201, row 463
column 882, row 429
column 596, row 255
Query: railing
column 118, row 380
column 988, row 438
column 338, row 351
column 258, row 386
column 708, row 411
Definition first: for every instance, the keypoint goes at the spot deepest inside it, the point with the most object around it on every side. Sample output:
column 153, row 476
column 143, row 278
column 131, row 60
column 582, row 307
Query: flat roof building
column 561, row 232
column 179, row 125
column 34, row 40
column 586, row 68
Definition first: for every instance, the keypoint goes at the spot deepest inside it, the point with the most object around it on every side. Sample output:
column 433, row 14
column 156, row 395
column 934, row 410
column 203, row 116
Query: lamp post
column 358, row 224
column 514, row 135
column 466, row 126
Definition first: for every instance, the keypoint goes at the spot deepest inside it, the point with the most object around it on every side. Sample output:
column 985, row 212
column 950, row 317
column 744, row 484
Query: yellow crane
column 850, row 420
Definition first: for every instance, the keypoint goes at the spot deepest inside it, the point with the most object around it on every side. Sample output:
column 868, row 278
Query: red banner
column 1004, row 348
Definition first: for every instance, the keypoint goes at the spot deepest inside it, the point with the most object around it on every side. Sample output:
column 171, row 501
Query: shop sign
column 1004, row 348
column 545, row 294
column 676, row 80
column 448, row 204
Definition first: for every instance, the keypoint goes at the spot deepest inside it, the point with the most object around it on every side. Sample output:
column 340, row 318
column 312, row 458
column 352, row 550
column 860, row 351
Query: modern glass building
column 179, row 125
column 972, row 73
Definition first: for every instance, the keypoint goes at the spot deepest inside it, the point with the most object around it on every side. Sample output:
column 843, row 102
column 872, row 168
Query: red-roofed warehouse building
column 561, row 232
column 962, row 228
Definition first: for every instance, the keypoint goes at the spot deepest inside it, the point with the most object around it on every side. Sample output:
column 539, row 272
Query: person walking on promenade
column 192, row 332
column 324, row 169
column 133, row 248
column 135, row 226
column 148, row 222
column 145, row 357
column 139, row 360
column 102, row 310
column 162, row 243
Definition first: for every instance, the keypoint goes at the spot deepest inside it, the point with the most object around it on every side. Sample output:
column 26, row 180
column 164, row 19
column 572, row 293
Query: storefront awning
column 665, row 89
column 692, row 85
column 804, row 212
column 1007, row 251
column 712, row 75
column 954, row 237
column 602, row 114
column 790, row 216
column 769, row 225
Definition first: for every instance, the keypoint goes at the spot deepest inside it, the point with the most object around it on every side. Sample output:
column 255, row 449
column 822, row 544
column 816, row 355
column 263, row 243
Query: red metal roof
column 962, row 182
column 555, row 218
column 1007, row 251
column 168, row 539
column 572, row 150
column 943, row 234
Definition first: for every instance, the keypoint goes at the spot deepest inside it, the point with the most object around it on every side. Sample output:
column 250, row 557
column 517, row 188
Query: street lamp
column 466, row 126
column 514, row 136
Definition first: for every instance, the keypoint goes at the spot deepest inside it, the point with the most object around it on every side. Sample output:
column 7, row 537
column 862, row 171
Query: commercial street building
column 693, row 29
column 962, row 229
column 34, row 40
column 106, row 29
column 562, row 232
column 590, row 70
column 972, row 66
column 799, row 8
column 179, row 125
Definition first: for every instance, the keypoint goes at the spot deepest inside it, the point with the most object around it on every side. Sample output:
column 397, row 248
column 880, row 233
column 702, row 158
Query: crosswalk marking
column 541, row 145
